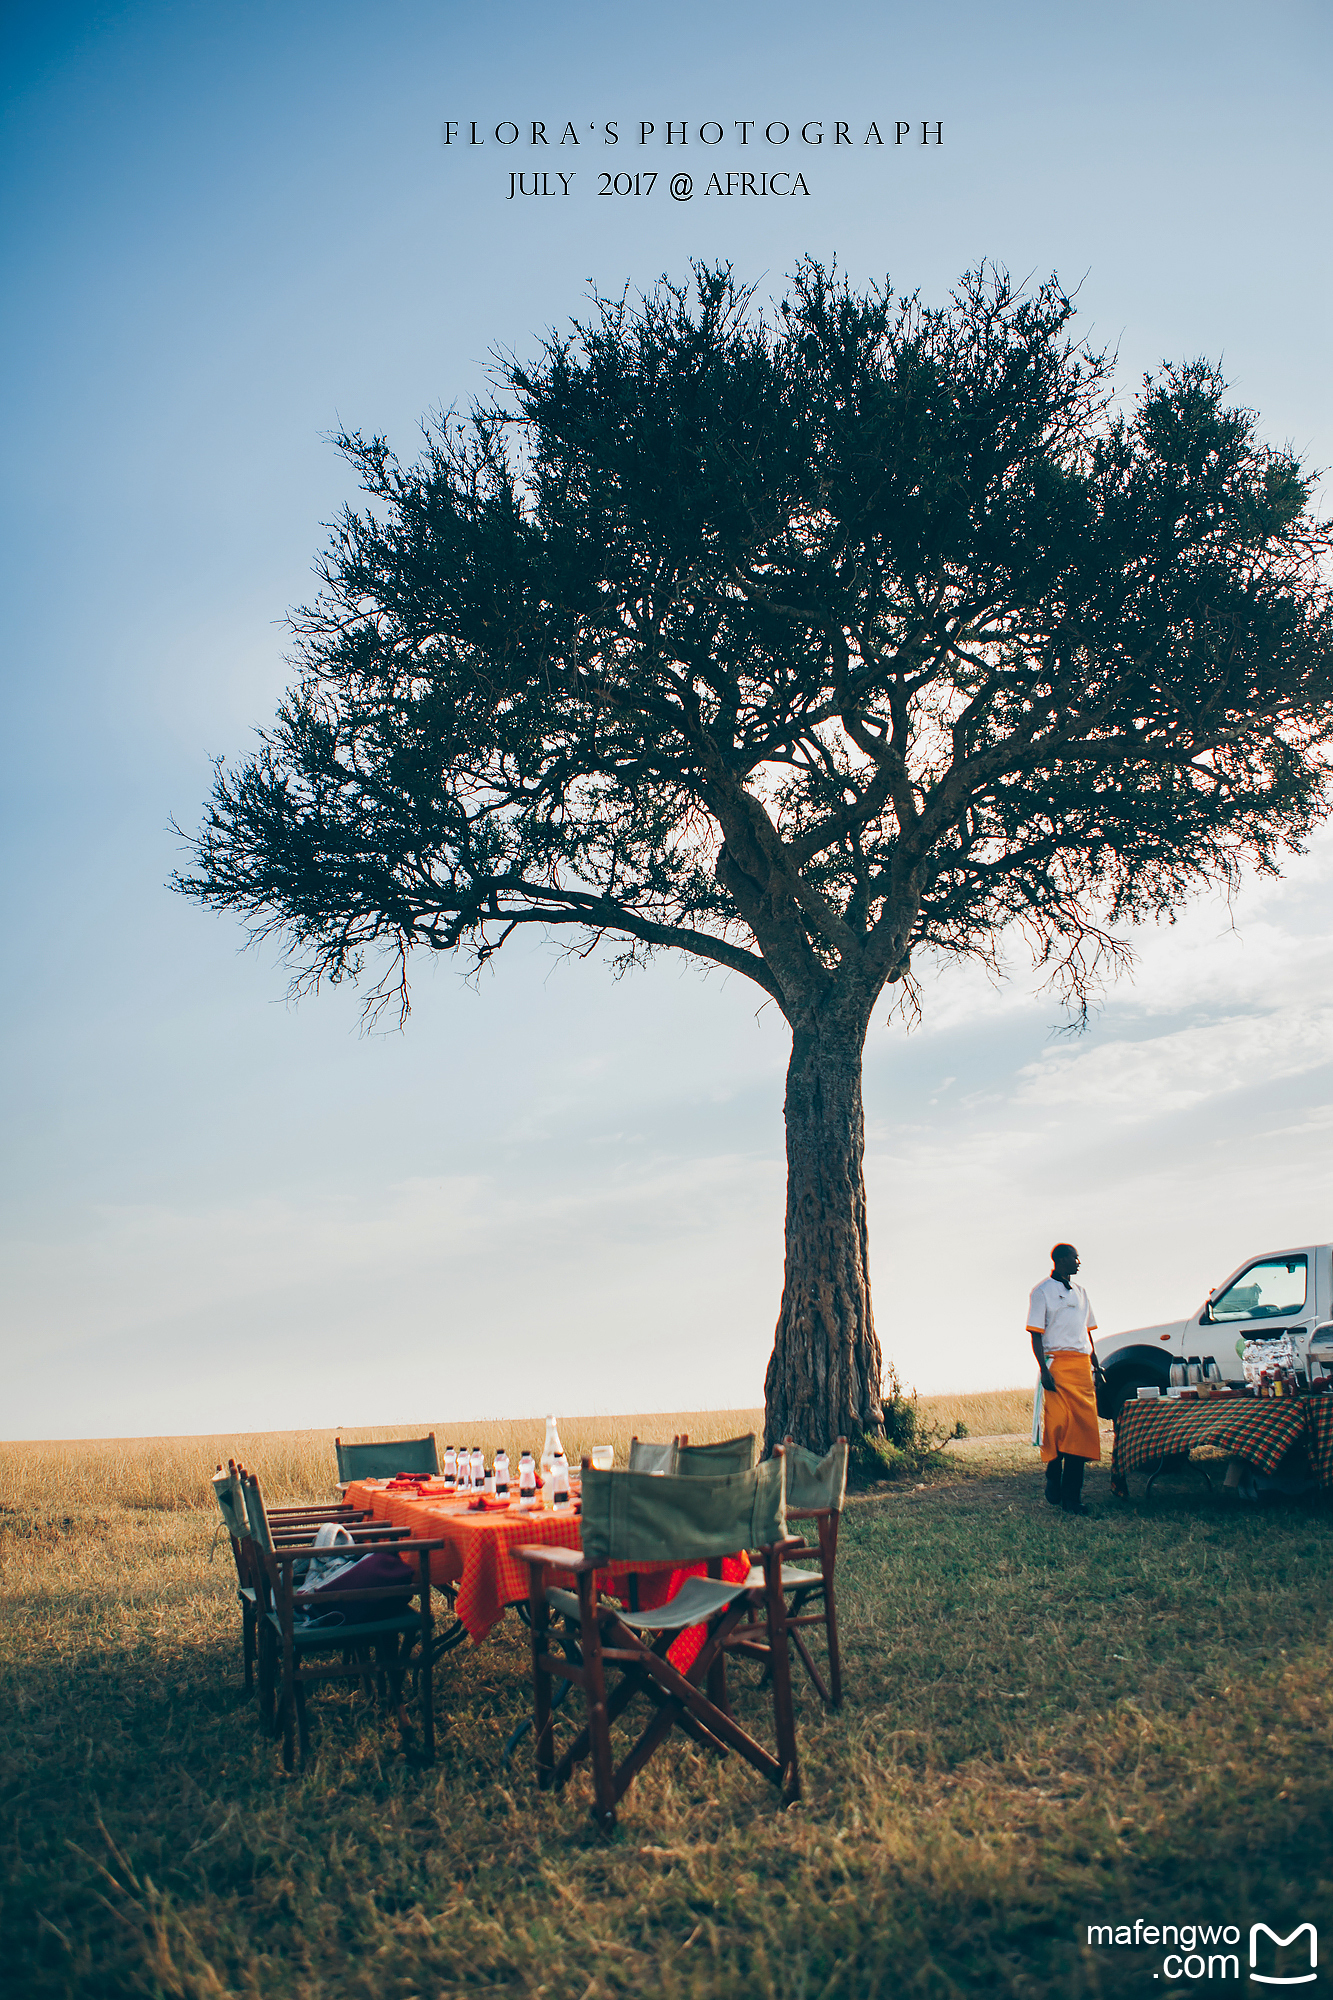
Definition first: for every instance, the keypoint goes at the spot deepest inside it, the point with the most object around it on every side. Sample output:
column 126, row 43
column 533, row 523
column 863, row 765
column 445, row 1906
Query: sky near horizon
column 227, row 231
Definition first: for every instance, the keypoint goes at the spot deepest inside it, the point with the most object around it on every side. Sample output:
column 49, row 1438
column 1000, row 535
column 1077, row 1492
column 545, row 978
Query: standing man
column 1061, row 1322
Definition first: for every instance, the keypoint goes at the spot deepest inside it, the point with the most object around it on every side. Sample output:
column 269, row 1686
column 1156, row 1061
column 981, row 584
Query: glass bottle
column 502, row 1473
column 527, row 1476
column 560, row 1480
column 549, row 1449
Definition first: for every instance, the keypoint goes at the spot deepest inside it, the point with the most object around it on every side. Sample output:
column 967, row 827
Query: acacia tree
column 804, row 643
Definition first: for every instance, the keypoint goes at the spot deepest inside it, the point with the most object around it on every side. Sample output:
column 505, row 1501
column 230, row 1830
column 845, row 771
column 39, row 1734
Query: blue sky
column 227, row 230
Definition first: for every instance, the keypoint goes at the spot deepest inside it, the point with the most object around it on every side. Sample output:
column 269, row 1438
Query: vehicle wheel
column 1124, row 1385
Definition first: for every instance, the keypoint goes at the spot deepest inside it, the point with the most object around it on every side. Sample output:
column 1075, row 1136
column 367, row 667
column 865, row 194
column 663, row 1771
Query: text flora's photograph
column 804, row 760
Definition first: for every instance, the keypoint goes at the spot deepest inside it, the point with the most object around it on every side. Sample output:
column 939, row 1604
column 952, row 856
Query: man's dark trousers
column 1064, row 1482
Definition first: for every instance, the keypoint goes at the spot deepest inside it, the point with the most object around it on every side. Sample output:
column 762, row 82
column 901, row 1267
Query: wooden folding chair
column 637, row 1517
column 294, row 1525
column 816, row 1490
column 378, row 1618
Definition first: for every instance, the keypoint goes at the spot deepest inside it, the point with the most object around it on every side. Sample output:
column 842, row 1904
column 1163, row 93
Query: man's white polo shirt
column 1063, row 1316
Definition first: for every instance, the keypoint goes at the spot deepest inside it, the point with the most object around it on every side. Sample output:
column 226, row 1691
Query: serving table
column 479, row 1556
column 1150, row 1434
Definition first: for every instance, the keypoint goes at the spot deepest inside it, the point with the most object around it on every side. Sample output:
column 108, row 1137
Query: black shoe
column 1080, row 1509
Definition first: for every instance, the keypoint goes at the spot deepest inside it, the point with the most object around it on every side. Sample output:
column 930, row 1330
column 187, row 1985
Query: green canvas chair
column 816, row 1490
column 637, row 1517
column 384, row 1458
column 713, row 1460
column 644, row 1457
column 401, row 1638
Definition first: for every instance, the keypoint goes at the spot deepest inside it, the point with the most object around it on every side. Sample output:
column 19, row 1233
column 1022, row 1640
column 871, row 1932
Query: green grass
column 1050, row 1723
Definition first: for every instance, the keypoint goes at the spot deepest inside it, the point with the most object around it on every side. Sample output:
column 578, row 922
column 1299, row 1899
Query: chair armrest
column 304, row 1553
column 360, row 1531
column 571, row 1561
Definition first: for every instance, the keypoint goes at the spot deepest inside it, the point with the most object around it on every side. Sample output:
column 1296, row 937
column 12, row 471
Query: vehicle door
column 1270, row 1296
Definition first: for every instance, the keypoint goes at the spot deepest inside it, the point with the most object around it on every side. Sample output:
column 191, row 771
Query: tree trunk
column 823, row 1380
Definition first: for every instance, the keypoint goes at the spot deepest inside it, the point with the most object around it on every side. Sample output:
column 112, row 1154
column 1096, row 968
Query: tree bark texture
column 824, row 1377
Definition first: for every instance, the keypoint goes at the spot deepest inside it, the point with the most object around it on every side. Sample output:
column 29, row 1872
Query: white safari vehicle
column 1278, row 1292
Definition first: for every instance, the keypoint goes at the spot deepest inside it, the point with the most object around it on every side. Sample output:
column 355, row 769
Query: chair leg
column 599, row 1724
column 303, row 1727
column 808, row 1663
column 425, row 1673
column 268, row 1676
column 539, row 1628
column 287, row 1721
column 784, row 1714
column 828, row 1556
column 249, row 1623
column 288, row 1675
column 717, row 1672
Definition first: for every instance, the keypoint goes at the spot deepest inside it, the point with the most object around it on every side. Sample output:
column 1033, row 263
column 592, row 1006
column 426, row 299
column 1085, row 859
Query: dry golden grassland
column 1049, row 1724
column 174, row 1472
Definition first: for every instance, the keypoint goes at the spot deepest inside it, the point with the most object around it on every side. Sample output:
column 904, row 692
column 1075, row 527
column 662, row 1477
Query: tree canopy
column 805, row 641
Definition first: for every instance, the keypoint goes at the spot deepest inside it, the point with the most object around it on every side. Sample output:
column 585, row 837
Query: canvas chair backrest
column 231, row 1502
column 635, row 1517
column 259, row 1531
column 815, row 1483
column 711, row 1461
column 652, row 1457
column 384, row 1458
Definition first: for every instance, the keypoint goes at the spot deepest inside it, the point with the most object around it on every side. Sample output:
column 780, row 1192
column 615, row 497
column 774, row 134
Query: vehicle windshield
column 1265, row 1291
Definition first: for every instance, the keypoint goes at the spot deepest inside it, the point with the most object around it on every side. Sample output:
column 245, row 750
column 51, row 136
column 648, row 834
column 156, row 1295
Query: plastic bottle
column 560, row 1480
column 478, row 1469
column 450, row 1467
column 527, row 1477
column 502, row 1473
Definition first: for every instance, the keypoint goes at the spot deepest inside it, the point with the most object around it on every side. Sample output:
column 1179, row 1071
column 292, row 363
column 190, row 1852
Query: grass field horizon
column 1049, row 1724
column 173, row 1471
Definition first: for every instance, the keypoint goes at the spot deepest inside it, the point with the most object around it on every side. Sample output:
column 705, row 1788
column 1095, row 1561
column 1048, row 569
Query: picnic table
column 1151, row 1434
column 480, row 1556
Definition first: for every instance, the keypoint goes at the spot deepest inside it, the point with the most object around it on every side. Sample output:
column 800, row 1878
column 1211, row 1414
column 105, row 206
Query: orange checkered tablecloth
column 480, row 1558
